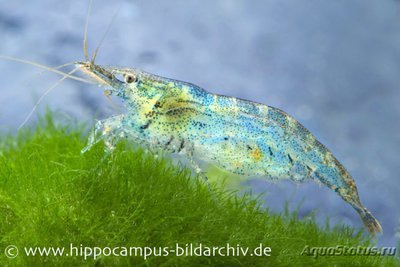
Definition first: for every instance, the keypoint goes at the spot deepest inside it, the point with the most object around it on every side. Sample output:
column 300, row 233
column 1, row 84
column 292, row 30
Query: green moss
column 51, row 195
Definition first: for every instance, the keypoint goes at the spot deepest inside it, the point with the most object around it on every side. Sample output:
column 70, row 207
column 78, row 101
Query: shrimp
column 239, row 136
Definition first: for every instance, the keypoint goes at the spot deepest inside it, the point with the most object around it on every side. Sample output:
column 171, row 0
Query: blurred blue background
column 333, row 65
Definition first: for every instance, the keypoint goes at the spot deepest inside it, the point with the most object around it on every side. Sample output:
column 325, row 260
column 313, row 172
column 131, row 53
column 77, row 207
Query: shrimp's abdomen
column 252, row 139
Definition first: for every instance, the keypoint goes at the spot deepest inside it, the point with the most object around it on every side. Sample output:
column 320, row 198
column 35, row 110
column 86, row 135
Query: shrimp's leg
column 202, row 174
column 197, row 168
column 189, row 151
column 108, row 130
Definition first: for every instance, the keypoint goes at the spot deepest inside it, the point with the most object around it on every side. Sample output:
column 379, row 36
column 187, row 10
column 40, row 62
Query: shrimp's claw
column 372, row 224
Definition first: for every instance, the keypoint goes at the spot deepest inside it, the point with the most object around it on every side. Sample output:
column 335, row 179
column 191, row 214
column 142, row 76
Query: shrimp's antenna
column 105, row 33
column 85, row 49
column 24, row 82
column 45, row 94
column 55, row 70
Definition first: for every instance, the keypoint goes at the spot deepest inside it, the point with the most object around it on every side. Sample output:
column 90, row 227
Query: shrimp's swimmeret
column 240, row 136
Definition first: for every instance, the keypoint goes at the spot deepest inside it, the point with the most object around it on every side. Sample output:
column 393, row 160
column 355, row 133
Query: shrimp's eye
column 129, row 78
